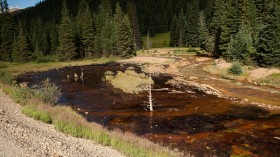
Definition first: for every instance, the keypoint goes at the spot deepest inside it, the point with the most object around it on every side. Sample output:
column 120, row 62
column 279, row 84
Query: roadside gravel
column 21, row 136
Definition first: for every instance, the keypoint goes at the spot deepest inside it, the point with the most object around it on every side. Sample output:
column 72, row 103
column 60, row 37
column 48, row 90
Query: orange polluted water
column 191, row 121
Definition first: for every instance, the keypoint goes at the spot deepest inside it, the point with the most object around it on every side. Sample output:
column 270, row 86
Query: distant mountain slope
column 14, row 10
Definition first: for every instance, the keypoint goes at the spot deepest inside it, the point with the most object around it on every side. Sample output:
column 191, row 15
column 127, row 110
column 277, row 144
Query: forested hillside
column 247, row 31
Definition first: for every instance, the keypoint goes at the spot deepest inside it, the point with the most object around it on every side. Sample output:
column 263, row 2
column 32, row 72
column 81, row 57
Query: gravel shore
column 21, row 136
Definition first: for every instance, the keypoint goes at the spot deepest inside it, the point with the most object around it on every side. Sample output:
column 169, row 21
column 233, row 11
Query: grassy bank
column 38, row 103
column 224, row 72
column 159, row 40
column 19, row 68
column 272, row 79
column 168, row 52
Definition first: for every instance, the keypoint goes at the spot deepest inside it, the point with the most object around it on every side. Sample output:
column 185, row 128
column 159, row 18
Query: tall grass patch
column 32, row 111
column 20, row 94
column 182, row 51
column 272, row 80
column 6, row 78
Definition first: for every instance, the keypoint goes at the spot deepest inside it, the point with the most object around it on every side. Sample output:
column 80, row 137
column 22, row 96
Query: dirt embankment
column 22, row 136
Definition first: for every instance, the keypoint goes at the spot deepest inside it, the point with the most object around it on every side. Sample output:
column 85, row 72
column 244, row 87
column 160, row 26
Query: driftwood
column 175, row 91
column 160, row 90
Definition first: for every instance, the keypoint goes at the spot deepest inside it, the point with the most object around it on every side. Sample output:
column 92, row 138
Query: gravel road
column 21, row 136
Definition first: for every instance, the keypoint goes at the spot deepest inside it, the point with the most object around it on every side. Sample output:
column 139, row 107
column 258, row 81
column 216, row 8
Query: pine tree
column 174, row 36
column 6, row 6
column 53, row 37
column 206, row 41
column 66, row 35
column 1, row 6
column 181, row 28
column 108, row 37
column 40, row 36
column 268, row 43
column 85, row 29
column 8, row 31
column 241, row 47
column 104, row 13
column 192, row 33
column 21, row 51
column 125, row 46
column 132, row 13
column 227, row 26
column 216, row 24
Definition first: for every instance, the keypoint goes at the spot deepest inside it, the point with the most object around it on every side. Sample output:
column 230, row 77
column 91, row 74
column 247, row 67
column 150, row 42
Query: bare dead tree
column 150, row 96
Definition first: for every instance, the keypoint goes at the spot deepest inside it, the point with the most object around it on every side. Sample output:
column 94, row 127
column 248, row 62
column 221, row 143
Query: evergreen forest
column 247, row 31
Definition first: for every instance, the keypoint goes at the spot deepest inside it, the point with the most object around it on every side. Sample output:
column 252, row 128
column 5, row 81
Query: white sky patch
column 12, row 7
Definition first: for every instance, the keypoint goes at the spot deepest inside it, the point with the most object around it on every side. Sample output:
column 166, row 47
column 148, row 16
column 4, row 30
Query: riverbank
column 68, row 121
column 24, row 136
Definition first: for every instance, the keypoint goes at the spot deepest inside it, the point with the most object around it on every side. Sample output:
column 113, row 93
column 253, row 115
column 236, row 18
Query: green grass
column 82, row 132
column 272, row 80
column 19, row 94
column 6, row 77
column 33, row 112
column 225, row 72
column 182, row 51
column 159, row 40
column 46, row 92
column 14, row 69
column 3, row 65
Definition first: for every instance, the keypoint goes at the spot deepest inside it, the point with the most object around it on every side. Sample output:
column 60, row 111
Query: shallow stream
column 192, row 121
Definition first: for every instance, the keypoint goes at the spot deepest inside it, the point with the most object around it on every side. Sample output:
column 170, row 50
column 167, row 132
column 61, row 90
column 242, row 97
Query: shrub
column 6, row 77
column 235, row 69
column 33, row 112
column 20, row 94
column 48, row 92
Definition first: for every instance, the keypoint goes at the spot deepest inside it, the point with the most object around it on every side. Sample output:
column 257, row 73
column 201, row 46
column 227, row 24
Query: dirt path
column 21, row 136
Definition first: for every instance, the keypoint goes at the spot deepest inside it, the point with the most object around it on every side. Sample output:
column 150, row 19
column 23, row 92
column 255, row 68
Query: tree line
column 105, row 32
column 246, row 31
column 46, row 28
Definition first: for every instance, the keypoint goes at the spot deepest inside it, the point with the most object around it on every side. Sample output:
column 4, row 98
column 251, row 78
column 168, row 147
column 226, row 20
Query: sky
column 22, row 3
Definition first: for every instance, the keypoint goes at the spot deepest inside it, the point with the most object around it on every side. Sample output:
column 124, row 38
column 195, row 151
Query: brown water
column 191, row 121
